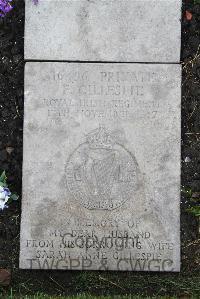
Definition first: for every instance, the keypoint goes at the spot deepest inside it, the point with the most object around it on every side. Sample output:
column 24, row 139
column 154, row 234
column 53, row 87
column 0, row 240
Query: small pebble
column 187, row 160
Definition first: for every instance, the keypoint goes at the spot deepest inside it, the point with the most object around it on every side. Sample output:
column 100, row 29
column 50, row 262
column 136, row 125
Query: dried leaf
column 5, row 277
column 188, row 15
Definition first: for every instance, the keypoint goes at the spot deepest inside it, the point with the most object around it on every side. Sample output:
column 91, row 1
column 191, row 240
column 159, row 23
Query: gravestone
column 103, row 30
column 101, row 166
column 101, row 158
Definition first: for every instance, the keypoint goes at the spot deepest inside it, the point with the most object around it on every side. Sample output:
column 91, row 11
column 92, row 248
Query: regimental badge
column 101, row 173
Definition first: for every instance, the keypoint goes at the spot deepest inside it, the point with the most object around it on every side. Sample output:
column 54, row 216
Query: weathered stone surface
column 103, row 30
column 101, row 171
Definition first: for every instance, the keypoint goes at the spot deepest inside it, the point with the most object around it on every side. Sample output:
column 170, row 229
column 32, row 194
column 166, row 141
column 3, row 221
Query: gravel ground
column 11, row 134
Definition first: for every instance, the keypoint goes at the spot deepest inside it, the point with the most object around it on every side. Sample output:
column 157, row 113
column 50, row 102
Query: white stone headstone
column 103, row 30
column 101, row 170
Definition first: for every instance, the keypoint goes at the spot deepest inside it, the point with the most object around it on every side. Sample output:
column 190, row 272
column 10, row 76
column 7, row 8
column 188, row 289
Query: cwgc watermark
column 82, row 263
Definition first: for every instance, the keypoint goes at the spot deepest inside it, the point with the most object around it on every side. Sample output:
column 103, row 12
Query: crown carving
column 100, row 139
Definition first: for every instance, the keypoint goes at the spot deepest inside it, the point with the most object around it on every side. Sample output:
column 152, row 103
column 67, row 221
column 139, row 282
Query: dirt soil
column 11, row 133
